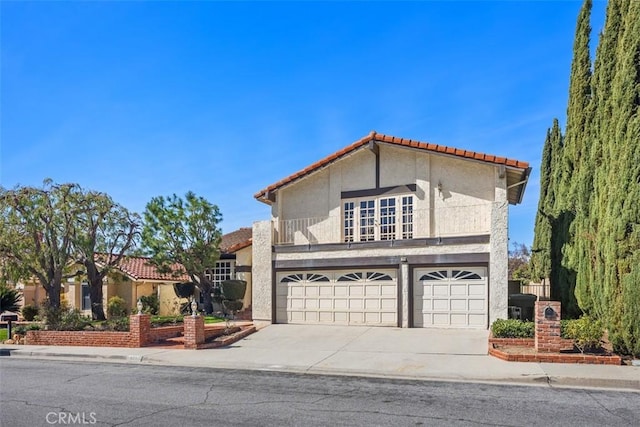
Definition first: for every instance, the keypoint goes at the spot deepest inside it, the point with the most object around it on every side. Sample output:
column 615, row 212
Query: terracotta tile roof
column 139, row 268
column 236, row 240
column 378, row 137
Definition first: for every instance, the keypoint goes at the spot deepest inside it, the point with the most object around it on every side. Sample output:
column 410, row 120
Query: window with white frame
column 384, row 218
column 224, row 270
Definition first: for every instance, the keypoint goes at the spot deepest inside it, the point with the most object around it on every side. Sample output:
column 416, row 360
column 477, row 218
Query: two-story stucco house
column 388, row 232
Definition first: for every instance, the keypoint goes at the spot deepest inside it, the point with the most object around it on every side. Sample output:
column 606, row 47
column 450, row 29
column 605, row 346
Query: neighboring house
column 388, row 232
column 133, row 278
column 136, row 276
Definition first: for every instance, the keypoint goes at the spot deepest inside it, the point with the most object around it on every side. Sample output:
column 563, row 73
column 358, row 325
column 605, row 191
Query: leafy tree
column 106, row 232
column 519, row 257
column 37, row 226
column 182, row 236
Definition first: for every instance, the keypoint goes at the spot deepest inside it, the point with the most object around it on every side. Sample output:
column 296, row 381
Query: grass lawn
column 3, row 334
column 168, row 320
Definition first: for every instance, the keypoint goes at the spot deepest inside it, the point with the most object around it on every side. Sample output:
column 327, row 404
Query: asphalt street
column 47, row 392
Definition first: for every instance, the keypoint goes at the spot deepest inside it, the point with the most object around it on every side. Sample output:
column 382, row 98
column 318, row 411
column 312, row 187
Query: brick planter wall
column 165, row 332
column 138, row 336
column 81, row 338
column 525, row 342
column 193, row 332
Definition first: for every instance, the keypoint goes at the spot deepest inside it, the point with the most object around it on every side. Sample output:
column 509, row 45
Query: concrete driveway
column 370, row 339
column 360, row 349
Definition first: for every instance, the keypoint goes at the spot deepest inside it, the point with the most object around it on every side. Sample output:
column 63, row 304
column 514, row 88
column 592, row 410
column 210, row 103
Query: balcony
column 428, row 223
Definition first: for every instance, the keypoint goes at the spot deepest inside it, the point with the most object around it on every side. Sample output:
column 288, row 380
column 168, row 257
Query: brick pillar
column 547, row 336
column 193, row 332
column 140, row 329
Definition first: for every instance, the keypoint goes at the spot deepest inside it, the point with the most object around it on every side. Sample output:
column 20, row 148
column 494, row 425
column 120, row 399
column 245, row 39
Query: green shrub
column 9, row 299
column 29, row 312
column 62, row 318
column 20, row 330
column 512, row 328
column 33, row 327
column 117, row 324
column 150, row 304
column 116, row 307
column 585, row 332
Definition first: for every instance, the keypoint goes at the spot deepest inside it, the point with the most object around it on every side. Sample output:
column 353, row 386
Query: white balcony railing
column 438, row 222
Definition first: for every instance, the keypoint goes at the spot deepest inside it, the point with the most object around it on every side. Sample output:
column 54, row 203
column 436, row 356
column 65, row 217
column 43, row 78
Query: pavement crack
column 607, row 410
column 37, row 405
column 421, row 417
column 160, row 411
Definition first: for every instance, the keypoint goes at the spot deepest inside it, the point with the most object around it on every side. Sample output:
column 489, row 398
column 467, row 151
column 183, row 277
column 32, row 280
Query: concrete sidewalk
column 423, row 354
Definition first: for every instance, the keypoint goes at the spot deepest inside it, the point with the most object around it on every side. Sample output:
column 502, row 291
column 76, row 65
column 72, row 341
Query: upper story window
column 382, row 218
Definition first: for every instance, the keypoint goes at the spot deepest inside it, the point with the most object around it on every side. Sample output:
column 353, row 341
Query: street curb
column 529, row 380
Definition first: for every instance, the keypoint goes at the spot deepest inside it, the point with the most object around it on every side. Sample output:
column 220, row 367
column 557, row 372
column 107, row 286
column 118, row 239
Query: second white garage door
column 346, row 297
column 450, row 297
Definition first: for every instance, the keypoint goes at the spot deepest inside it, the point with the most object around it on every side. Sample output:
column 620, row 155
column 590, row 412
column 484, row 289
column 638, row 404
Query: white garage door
column 450, row 297
column 350, row 297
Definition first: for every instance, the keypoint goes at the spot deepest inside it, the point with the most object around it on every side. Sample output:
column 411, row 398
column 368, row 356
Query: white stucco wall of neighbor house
column 261, row 272
column 499, row 243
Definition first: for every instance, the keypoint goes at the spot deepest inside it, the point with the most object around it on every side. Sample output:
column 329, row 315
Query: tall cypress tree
column 541, row 257
column 577, row 174
column 540, row 262
column 622, row 246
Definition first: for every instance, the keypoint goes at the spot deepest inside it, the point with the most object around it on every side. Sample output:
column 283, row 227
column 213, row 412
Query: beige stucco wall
column 244, row 258
column 169, row 303
column 499, row 254
column 453, row 196
column 261, row 292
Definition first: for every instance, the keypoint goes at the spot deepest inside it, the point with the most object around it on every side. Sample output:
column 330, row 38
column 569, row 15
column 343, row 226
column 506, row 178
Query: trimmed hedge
column 512, row 328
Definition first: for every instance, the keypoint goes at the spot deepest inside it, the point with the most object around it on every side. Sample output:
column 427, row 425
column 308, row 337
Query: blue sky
column 140, row 99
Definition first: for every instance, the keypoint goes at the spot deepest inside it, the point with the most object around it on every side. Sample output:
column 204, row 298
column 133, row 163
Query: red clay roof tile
column 373, row 136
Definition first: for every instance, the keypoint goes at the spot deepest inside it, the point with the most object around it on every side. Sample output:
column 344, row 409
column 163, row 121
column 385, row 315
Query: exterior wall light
column 139, row 306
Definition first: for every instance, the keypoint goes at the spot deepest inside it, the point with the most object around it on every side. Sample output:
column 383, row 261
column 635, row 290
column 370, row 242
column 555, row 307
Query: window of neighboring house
column 386, row 218
column 224, row 270
column 86, row 297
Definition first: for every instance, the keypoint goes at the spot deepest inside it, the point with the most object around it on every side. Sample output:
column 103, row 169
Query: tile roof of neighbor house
column 236, row 240
column 392, row 140
column 139, row 268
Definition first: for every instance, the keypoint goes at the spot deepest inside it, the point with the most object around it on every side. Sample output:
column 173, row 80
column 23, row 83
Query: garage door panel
column 337, row 297
column 477, row 289
column 388, row 304
column 454, row 297
column 372, row 304
column 458, row 289
column 325, row 303
column 458, row 319
column 479, row 320
column 390, row 289
column 476, row 305
column 439, row 290
column 458, row 305
column 440, row 304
